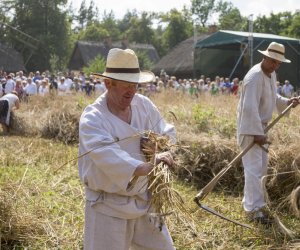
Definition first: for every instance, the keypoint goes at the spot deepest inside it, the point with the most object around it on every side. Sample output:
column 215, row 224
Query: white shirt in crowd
column 62, row 88
column 9, row 86
column 43, row 90
column 287, row 90
column 30, row 89
column 69, row 84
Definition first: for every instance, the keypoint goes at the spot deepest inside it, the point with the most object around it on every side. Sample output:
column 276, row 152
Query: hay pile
column 53, row 117
column 18, row 228
column 201, row 161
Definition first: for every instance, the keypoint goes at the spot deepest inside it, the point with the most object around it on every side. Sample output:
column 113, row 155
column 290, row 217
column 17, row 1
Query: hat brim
column 142, row 77
column 275, row 56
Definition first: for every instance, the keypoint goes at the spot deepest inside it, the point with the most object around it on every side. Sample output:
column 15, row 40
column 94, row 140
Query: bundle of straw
column 165, row 200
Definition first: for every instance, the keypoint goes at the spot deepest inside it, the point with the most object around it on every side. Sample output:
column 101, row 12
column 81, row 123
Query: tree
column 232, row 20
column 92, row 13
column 109, row 23
column 275, row 24
column 178, row 29
column 140, row 29
column 82, row 15
column 47, row 23
column 294, row 28
column 203, row 9
column 93, row 32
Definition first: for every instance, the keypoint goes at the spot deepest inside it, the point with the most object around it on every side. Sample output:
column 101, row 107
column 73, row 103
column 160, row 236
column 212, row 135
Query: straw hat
column 275, row 51
column 123, row 65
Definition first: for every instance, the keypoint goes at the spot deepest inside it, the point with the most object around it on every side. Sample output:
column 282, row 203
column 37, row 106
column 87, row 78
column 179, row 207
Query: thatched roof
column 10, row 59
column 85, row 51
column 179, row 61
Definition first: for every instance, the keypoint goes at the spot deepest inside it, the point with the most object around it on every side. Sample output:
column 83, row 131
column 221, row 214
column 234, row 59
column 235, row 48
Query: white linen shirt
column 257, row 102
column 114, row 154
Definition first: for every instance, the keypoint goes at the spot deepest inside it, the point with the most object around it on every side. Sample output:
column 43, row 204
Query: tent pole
column 250, row 40
column 238, row 61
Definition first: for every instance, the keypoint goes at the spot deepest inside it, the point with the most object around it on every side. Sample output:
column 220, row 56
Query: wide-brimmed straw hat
column 275, row 51
column 123, row 65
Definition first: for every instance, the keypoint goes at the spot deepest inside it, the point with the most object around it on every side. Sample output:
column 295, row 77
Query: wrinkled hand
column 261, row 139
column 165, row 157
column 294, row 100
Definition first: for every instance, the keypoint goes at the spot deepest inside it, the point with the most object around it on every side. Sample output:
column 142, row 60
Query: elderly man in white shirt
column 62, row 87
column 30, row 88
column 110, row 128
column 257, row 102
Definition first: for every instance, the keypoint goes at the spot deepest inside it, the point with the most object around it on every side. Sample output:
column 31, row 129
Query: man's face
column 120, row 93
column 271, row 64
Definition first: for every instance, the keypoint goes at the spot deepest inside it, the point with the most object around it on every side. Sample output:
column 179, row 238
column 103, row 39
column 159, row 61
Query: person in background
column 30, row 89
column 8, row 103
column 19, row 88
column 10, row 84
column 258, row 99
column 278, row 88
column 287, row 89
column 110, row 129
column 44, row 89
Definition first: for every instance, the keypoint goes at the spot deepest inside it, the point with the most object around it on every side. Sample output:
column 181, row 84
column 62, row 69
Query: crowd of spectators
column 45, row 83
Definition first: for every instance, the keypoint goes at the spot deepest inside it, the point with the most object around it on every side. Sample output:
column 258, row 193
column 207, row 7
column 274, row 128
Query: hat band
column 122, row 70
column 276, row 51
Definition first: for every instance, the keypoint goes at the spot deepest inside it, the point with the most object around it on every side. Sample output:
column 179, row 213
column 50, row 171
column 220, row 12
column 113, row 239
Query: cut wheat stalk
column 165, row 200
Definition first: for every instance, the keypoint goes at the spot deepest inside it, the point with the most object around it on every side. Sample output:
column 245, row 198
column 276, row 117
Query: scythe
column 209, row 187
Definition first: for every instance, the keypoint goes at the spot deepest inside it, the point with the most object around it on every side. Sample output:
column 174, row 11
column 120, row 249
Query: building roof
column 85, row 51
column 226, row 37
column 179, row 61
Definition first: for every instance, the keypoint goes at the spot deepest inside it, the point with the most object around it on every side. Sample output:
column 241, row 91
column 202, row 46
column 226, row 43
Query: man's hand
column 166, row 157
column 294, row 100
column 143, row 169
column 261, row 139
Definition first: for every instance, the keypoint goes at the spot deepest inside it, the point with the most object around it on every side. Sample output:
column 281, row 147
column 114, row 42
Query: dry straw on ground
column 201, row 153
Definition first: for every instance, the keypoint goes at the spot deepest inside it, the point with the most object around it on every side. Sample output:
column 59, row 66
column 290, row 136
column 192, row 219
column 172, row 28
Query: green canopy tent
column 226, row 53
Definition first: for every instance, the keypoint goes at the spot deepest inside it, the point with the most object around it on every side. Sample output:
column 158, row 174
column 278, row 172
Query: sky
column 246, row 7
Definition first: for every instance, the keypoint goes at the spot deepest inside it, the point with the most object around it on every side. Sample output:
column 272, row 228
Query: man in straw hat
column 109, row 131
column 257, row 101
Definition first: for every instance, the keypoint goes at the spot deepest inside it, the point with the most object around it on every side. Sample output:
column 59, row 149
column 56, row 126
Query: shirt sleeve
column 250, row 121
column 105, row 166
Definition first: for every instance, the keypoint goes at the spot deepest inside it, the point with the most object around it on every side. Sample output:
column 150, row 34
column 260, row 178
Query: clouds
column 265, row 7
column 256, row 7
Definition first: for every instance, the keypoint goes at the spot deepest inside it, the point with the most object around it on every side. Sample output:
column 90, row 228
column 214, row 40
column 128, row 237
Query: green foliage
column 232, row 20
column 294, row 28
column 46, row 23
column 109, row 23
column 202, row 117
column 144, row 61
column 140, row 29
column 203, row 9
column 97, row 65
column 54, row 29
column 275, row 24
column 178, row 29
column 93, row 32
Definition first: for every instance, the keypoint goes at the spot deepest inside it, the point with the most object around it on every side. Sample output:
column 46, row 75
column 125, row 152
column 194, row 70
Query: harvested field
column 41, row 199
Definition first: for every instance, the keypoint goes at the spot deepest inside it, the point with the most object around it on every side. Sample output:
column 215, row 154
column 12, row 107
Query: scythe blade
column 210, row 210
